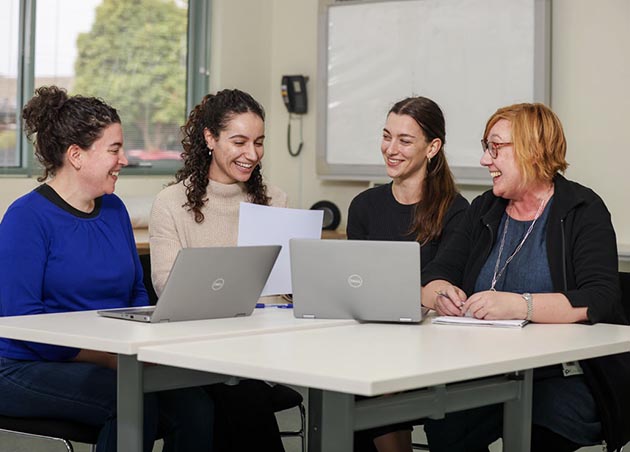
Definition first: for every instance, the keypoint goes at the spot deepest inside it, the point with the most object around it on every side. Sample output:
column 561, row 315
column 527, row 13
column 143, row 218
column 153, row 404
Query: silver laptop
column 356, row 279
column 208, row 283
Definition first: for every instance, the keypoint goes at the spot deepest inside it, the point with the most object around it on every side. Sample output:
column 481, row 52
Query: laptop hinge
column 405, row 319
column 308, row 316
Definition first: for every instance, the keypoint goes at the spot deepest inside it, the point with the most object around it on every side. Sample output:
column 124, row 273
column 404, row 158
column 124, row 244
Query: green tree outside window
column 134, row 57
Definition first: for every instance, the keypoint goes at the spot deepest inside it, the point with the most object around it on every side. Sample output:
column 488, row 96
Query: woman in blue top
column 68, row 246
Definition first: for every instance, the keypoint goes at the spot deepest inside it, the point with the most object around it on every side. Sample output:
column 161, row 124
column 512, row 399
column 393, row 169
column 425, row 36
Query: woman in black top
column 421, row 203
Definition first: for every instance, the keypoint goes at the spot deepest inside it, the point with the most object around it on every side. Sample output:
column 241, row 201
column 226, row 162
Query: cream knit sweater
column 172, row 227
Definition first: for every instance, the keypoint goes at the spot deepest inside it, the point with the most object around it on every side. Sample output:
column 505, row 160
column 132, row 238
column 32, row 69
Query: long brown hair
column 214, row 113
column 438, row 190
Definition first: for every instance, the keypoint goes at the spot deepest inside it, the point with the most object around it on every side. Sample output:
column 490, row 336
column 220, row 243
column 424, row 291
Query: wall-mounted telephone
column 294, row 93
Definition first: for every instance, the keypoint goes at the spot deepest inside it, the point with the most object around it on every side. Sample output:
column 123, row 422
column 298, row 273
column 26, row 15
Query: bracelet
column 530, row 305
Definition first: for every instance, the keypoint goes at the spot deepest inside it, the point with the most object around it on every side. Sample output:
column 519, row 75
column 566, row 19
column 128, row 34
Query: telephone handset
column 294, row 93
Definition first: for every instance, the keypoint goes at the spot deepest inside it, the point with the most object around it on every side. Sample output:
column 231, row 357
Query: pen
column 274, row 305
column 441, row 293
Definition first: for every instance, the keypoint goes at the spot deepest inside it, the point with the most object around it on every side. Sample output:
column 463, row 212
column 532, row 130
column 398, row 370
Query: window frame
column 197, row 81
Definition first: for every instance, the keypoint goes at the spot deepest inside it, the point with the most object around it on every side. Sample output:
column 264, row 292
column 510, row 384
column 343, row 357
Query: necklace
column 497, row 273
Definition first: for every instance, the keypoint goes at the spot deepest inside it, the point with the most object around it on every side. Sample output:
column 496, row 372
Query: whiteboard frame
column 464, row 175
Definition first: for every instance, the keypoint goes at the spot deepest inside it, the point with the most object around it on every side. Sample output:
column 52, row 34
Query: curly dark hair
column 214, row 113
column 59, row 121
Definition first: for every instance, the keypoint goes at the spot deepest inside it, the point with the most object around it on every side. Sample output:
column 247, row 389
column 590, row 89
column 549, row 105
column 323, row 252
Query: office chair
column 419, row 446
column 63, row 431
column 282, row 397
column 145, row 261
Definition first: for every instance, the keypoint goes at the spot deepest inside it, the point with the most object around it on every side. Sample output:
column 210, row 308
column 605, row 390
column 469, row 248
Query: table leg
column 517, row 417
column 330, row 420
column 130, row 403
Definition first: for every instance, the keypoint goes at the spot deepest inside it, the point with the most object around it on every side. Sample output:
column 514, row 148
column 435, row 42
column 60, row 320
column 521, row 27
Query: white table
column 89, row 331
column 375, row 359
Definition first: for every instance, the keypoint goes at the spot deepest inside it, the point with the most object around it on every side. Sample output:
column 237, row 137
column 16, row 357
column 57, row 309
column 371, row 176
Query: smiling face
column 237, row 150
column 405, row 148
column 102, row 162
column 507, row 179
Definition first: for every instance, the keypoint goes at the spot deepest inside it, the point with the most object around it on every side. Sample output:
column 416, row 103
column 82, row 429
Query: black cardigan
column 581, row 249
column 582, row 254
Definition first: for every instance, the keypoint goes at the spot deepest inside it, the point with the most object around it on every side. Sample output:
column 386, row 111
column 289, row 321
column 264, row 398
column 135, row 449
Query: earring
column 210, row 152
column 428, row 160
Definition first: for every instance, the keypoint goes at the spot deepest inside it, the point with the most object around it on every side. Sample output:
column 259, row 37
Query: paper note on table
column 470, row 321
column 264, row 225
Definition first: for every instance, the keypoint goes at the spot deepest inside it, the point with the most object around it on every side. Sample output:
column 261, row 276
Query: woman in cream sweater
column 223, row 148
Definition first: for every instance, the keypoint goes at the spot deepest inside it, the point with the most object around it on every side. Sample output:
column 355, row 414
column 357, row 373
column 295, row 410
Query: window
column 9, row 34
column 146, row 58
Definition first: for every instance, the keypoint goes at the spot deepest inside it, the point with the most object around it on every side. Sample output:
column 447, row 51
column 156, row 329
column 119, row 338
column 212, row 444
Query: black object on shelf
column 332, row 215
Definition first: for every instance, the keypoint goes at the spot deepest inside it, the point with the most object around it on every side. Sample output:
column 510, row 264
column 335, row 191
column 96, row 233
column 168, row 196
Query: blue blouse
column 563, row 405
column 54, row 258
column 529, row 269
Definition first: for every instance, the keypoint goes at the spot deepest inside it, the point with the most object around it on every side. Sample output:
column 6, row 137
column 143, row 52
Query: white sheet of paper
column 265, row 225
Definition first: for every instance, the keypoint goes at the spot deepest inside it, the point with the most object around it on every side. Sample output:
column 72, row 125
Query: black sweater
column 376, row 215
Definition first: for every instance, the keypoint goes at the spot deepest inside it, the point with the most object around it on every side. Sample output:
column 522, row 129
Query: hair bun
column 43, row 108
column 51, row 97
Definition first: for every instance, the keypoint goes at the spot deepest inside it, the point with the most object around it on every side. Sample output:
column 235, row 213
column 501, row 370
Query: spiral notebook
column 471, row 321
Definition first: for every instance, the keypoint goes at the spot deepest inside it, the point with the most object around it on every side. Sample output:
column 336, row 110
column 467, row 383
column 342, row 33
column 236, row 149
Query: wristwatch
column 530, row 305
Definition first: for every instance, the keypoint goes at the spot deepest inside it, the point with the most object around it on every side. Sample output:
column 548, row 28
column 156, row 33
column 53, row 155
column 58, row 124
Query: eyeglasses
column 492, row 147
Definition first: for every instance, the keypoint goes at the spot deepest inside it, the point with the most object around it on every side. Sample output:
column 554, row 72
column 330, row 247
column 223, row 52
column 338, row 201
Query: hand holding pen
column 449, row 301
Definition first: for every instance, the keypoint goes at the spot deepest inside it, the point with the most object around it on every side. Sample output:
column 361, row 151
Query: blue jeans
column 86, row 393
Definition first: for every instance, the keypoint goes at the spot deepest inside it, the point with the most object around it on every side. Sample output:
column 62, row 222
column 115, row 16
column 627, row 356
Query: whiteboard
column 469, row 56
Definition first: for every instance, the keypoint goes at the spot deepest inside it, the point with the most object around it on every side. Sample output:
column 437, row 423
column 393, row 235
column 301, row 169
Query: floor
column 286, row 420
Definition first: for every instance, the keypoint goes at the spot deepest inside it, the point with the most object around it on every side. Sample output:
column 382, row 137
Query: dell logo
column 355, row 281
column 218, row 284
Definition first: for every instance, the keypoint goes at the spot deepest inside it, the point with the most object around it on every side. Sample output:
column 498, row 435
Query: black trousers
column 244, row 418
column 474, row 430
column 464, row 432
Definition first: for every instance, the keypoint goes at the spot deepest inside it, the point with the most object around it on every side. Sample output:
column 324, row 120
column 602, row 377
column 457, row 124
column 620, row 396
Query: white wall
column 294, row 51
column 591, row 95
column 255, row 42
column 241, row 47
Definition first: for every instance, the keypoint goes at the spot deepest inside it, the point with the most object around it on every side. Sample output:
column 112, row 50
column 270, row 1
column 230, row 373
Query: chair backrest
column 145, row 260
column 624, row 282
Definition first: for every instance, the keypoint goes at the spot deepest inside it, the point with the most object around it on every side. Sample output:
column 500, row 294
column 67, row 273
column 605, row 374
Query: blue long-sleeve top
column 54, row 258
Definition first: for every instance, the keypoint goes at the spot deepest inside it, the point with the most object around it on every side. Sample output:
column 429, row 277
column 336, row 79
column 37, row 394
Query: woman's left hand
column 493, row 305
